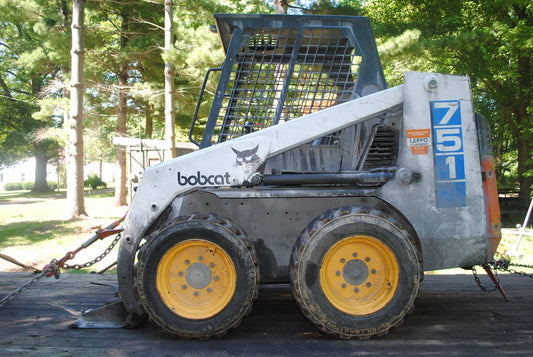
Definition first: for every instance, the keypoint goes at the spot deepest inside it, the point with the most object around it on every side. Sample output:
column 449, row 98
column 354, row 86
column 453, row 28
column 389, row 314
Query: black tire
column 192, row 260
column 350, row 294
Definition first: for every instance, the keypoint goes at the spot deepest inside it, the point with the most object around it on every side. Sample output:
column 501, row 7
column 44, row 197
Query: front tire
column 199, row 277
column 355, row 272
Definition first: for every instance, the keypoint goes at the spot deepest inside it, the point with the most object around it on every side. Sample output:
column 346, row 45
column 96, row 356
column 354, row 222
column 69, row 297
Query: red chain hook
column 54, row 266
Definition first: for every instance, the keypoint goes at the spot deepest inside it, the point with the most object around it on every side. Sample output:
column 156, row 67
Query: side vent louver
column 384, row 149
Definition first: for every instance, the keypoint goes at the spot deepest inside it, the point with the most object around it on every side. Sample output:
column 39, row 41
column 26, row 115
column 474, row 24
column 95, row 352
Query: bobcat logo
column 248, row 160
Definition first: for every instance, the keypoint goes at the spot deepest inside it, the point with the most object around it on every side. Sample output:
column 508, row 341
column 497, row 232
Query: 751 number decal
column 449, row 154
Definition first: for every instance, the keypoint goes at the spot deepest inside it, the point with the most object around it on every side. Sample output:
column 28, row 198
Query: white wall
column 24, row 171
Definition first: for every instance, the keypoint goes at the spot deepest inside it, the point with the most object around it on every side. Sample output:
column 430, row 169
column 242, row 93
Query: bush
column 18, row 186
column 27, row 185
column 13, row 186
column 93, row 182
column 52, row 185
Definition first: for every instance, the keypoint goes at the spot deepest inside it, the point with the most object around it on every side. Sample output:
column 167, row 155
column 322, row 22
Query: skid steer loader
column 311, row 172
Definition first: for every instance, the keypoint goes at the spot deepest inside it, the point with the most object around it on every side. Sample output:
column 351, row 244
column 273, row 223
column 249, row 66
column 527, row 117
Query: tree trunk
column 525, row 181
column 280, row 6
column 41, row 160
column 75, row 193
column 122, row 113
column 121, row 177
column 100, row 168
column 170, row 136
column 149, row 122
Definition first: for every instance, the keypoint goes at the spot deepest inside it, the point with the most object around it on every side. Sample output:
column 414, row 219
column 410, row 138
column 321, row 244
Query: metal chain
column 50, row 270
column 95, row 260
column 481, row 286
column 501, row 265
column 53, row 268
column 505, row 265
column 521, row 273
column 522, row 265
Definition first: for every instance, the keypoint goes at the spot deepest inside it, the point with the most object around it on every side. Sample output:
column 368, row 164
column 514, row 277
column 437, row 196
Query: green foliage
column 52, row 185
column 27, row 185
column 33, row 42
column 19, row 186
column 331, row 7
column 119, row 37
column 94, row 182
column 491, row 41
column 13, row 186
column 16, row 126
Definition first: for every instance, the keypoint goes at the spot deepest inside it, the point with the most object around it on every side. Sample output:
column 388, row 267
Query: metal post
column 523, row 229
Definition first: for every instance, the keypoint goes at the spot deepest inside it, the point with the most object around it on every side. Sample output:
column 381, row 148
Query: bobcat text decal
column 203, row 180
column 246, row 163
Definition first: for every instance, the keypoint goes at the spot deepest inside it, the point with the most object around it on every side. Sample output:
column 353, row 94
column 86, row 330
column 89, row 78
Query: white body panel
column 444, row 244
column 159, row 185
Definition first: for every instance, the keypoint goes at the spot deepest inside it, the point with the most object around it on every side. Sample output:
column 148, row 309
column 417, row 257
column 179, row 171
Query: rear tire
column 199, row 277
column 355, row 272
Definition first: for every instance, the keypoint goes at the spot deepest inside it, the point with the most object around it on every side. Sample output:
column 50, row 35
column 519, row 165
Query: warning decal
column 418, row 140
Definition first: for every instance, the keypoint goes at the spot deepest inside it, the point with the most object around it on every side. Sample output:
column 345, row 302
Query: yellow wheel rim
column 359, row 275
column 196, row 279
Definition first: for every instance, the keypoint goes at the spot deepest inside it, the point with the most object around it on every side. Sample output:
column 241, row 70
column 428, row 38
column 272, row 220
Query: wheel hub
column 355, row 272
column 198, row 276
column 359, row 275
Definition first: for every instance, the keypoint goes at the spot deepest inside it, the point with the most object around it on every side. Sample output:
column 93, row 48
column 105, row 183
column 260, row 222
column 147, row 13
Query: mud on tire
column 355, row 272
column 198, row 277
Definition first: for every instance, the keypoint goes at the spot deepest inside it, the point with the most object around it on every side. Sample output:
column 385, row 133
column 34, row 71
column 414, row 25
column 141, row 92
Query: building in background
column 24, row 171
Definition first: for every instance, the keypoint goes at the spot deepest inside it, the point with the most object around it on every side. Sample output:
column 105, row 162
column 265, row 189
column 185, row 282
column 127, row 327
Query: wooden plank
column 452, row 317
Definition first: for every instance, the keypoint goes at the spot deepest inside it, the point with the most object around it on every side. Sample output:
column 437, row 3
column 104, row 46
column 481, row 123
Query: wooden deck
column 452, row 318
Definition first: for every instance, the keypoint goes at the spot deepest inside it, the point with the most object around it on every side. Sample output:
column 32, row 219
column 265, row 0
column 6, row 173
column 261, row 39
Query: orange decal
column 418, row 140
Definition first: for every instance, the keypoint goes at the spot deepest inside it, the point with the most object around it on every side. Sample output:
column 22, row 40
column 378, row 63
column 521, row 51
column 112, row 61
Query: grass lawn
column 35, row 229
